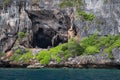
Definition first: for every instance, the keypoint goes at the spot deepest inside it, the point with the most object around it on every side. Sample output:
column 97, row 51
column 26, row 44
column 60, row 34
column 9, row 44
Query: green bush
column 45, row 60
column 1, row 54
column 64, row 47
column 18, row 51
column 110, row 55
column 102, row 41
column 89, row 41
column 74, row 48
column 26, row 57
column 15, row 57
column 116, row 44
column 43, row 57
column 67, row 54
column 91, row 50
column 21, row 35
column 58, row 51
column 86, row 16
column 112, row 42
column 93, row 44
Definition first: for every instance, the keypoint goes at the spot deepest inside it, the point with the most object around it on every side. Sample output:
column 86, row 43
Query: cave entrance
column 41, row 40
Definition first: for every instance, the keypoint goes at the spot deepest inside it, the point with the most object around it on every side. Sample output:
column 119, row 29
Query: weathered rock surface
column 44, row 29
column 48, row 29
column 86, row 61
column 35, row 66
column 80, row 62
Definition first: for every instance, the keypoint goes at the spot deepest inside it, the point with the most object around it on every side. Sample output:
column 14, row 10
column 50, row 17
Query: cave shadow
column 41, row 40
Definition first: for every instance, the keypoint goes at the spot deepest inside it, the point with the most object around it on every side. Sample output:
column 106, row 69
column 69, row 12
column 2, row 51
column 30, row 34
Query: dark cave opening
column 41, row 40
column 48, row 29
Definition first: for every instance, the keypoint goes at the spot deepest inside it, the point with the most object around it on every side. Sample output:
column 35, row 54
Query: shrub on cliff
column 86, row 16
column 114, row 42
column 21, row 35
column 89, row 41
column 91, row 50
column 94, row 43
column 26, row 57
column 18, row 56
column 1, row 54
column 43, row 57
column 15, row 57
column 75, row 48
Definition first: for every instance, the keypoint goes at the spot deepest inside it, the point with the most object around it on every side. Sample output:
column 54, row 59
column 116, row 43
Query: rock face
column 107, row 20
column 44, row 25
column 44, row 28
column 49, row 29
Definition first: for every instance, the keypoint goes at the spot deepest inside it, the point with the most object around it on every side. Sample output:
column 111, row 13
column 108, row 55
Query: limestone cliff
column 44, row 24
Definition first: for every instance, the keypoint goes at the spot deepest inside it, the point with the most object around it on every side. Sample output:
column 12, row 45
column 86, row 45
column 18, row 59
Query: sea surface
column 59, row 74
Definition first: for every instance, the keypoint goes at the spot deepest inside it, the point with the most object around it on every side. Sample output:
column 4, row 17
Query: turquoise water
column 59, row 74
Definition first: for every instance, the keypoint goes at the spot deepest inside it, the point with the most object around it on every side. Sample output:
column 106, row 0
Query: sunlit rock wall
column 107, row 20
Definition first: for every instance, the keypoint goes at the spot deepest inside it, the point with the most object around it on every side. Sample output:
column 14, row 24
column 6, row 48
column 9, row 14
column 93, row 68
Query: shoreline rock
column 108, row 65
column 9, row 64
column 96, row 66
column 85, row 61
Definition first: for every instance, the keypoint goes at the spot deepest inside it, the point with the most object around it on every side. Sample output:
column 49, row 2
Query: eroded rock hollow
column 41, row 29
column 49, row 28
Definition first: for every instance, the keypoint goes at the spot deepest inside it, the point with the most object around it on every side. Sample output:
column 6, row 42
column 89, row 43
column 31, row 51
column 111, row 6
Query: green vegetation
column 91, row 50
column 75, row 48
column 87, row 46
column 86, row 16
column 93, row 44
column 15, row 57
column 1, row 54
column 26, row 57
column 71, row 3
column 18, row 51
column 4, row 3
column 44, row 57
column 77, row 9
column 21, row 35
column 19, row 56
